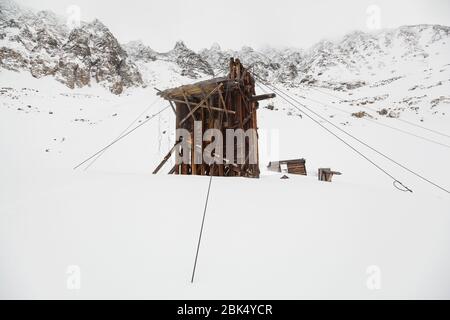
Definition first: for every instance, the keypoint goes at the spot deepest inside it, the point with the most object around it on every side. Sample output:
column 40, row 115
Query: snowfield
column 132, row 234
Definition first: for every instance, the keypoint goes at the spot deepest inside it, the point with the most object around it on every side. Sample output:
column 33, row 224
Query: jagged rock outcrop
column 92, row 52
column 138, row 51
column 216, row 57
column 191, row 63
column 42, row 44
column 183, row 60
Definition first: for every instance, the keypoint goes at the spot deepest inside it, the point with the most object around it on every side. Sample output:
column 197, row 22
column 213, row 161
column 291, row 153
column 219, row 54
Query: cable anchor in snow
column 402, row 187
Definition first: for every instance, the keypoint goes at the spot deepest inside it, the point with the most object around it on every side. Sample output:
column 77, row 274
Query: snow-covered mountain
column 367, row 57
column 41, row 43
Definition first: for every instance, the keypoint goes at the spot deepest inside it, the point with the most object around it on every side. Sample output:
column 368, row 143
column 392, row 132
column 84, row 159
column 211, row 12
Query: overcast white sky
column 234, row 23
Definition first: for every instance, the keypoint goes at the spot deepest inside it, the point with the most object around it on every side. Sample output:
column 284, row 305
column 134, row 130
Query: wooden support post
column 177, row 149
column 222, row 101
column 173, row 170
column 193, row 147
column 167, row 157
column 202, row 166
column 173, row 108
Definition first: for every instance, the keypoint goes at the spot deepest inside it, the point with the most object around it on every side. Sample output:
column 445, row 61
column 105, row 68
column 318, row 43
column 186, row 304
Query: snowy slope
column 120, row 225
column 131, row 240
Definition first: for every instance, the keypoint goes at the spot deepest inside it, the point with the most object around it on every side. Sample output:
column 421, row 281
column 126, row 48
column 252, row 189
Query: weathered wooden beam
column 193, row 164
column 244, row 99
column 200, row 104
column 173, row 108
column 203, row 106
column 263, row 97
column 187, row 104
column 191, row 89
column 174, row 168
column 222, row 100
column 207, row 103
column 167, row 157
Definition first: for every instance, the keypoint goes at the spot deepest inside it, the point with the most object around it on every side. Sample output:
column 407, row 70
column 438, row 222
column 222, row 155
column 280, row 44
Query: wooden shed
column 295, row 166
column 221, row 103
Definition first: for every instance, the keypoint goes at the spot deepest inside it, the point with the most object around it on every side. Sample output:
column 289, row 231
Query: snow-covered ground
column 134, row 235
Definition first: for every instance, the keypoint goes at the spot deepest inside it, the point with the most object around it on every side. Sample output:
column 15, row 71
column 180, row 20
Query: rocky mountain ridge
column 41, row 43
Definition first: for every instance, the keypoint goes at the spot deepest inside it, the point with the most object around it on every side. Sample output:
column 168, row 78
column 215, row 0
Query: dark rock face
column 216, row 57
column 92, row 52
column 42, row 44
column 137, row 51
column 191, row 63
column 12, row 60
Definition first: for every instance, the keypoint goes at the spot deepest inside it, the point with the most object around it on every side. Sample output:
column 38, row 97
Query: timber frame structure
column 220, row 103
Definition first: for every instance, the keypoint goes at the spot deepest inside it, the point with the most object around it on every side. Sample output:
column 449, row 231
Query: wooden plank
column 263, row 97
column 187, row 104
column 201, row 102
column 202, row 166
column 173, row 170
column 173, row 108
column 193, row 164
column 167, row 157
column 177, row 154
column 203, row 106
column 206, row 101
column 191, row 89
column 245, row 100
column 222, row 100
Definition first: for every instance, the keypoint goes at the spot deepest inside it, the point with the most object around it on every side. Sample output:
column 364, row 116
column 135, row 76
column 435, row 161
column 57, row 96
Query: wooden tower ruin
column 220, row 103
